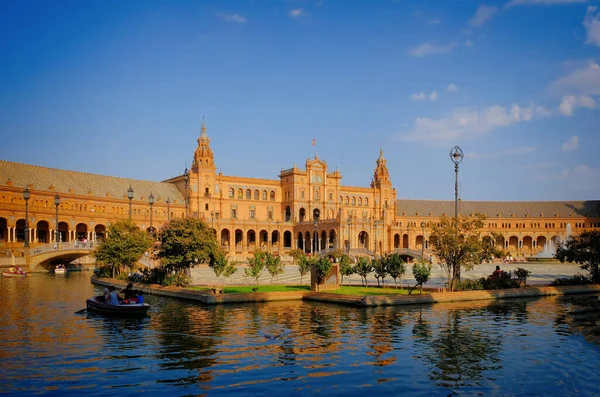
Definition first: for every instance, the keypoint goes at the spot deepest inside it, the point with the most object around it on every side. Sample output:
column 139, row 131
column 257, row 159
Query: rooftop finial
column 203, row 127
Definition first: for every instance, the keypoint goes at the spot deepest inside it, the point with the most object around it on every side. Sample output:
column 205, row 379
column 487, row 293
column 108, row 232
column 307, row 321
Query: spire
column 203, row 154
column 381, row 173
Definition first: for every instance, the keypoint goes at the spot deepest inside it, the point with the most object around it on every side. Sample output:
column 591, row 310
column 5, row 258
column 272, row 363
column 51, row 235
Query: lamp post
column 349, row 234
column 56, row 203
column 130, row 197
column 26, row 196
column 151, row 202
column 212, row 220
column 279, row 241
column 186, row 178
column 316, row 241
column 168, row 210
column 456, row 155
column 423, row 241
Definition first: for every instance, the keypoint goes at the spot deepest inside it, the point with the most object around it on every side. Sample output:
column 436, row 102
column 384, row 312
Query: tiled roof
column 81, row 183
column 519, row 209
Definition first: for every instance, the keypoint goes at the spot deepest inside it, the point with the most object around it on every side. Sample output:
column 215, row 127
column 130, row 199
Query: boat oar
column 80, row 311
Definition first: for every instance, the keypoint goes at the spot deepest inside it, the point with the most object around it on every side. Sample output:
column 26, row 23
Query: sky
column 121, row 88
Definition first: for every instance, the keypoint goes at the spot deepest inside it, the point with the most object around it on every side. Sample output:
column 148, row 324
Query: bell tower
column 203, row 157
column 203, row 189
column 385, row 194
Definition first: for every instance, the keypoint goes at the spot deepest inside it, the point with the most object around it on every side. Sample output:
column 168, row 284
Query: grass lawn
column 365, row 291
column 261, row 288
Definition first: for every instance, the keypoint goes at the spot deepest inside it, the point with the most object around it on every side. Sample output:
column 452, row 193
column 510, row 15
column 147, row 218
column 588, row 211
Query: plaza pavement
column 541, row 273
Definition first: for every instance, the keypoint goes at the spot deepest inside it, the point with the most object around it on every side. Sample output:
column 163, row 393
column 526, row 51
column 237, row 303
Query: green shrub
column 179, row 279
column 578, row 279
column 486, row 283
column 155, row 275
column 471, row 285
column 522, row 273
column 103, row 271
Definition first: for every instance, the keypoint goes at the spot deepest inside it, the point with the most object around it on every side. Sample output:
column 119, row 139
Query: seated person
column 106, row 295
column 129, row 293
column 140, row 297
column 497, row 273
column 113, row 296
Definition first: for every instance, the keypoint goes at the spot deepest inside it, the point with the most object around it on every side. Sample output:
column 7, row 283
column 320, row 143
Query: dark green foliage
column 395, row 267
column 273, row 265
column 179, row 279
column 363, row 268
column 103, row 271
column 487, row 284
column 380, row 269
column 222, row 266
column 124, row 244
column 155, row 275
column 578, row 279
column 421, row 272
column 583, row 249
column 322, row 268
column 256, row 265
column 471, row 285
column 346, row 268
column 186, row 242
column 522, row 273
column 303, row 264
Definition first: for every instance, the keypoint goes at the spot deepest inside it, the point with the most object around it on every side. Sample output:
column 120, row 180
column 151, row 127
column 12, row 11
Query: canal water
column 514, row 348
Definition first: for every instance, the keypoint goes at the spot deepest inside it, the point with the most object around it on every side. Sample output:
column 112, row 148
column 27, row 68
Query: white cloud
column 433, row 96
column 465, row 123
column 296, row 12
column 591, row 22
column 482, row 15
column 542, row 2
column 584, row 81
column 232, row 17
column 570, row 102
column 431, row 49
column 571, row 144
column 451, row 88
column 418, row 97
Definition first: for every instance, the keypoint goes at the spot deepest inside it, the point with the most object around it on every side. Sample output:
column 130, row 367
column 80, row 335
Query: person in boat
column 106, row 295
column 129, row 294
column 140, row 297
column 113, row 296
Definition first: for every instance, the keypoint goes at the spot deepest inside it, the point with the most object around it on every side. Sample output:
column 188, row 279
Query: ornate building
column 306, row 208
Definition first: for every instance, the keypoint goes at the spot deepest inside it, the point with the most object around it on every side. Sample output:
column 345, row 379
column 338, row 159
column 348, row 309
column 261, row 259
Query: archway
column 302, row 214
column 405, row 241
column 287, row 214
column 63, row 232
column 363, row 240
column 99, row 232
column 80, row 231
column 3, row 229
column 251, row 238
column 43, row 232
column 225, row 239
column 287, row 239
column 396, row 241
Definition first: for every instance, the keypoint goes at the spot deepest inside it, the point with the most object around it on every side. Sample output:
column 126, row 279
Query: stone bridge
column 49, row 255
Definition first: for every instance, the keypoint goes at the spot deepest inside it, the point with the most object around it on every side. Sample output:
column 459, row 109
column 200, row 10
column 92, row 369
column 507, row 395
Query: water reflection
column 512, row 347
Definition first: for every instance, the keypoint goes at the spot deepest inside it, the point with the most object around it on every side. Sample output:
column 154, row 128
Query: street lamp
column 130, row 197
column 151, row 202
column 56, row 203
column 423, row 241
column 26, row 196
column 186, row 178
column 168, row 210
column 456, row 155
column 349, row 233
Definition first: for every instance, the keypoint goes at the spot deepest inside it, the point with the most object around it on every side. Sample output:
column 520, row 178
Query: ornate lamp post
column 26, row 196
column 186, row 178
column 212, row 220
column 151, row 202
column 423, row 241
column 57, row 203
column 130, row 197
column 168, row 210
column 456, row 155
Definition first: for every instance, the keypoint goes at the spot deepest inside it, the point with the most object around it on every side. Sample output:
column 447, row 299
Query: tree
column 230, row 269
column 363, row 268
column 273, row 265
column 185, row 242
column 583, row 249
column 379, row 268
column 490, row 244
column 322, row 268
column 303, row 266
column 256, row 265
column 458, row 244
column 346, row 268
column 124, row 244
column 296, row 254
column 421, row 272
column 222, row 266
column 396, row 267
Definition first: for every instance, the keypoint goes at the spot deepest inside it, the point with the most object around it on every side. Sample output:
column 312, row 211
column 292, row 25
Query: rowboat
column 60, row 270
column 14, row 274
column 98, row 305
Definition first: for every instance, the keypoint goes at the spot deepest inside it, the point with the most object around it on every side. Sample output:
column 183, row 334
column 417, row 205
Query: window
column 360, row 201
column 248, row 194
column 330, row 196
column 270, row 215
column 252, row 214
column 316, row 193
column 366, row 202
column 264, row 194
column 205, row 207
column 353, row 200
column 233, row 213
column 231, row 193
column 256, row 195
column 240, row 194
column 302, row 195
column 272, row 195
column 347, row 200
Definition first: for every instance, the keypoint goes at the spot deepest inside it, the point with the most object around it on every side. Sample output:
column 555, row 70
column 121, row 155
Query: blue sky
column 121, row 87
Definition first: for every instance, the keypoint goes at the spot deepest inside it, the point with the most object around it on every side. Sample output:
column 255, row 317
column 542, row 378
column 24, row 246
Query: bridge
column 49, row 255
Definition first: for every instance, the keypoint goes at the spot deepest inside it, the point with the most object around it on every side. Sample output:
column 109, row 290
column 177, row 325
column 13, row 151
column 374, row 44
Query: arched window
column 366, row 202
column 248, row 194
column 256, row 194
column 272, row 194
column 231, row 193
column 360, row 201
column 353, row 200
column 316, row 193
column 264, row 194
column 347, row 200
column 240, row 194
